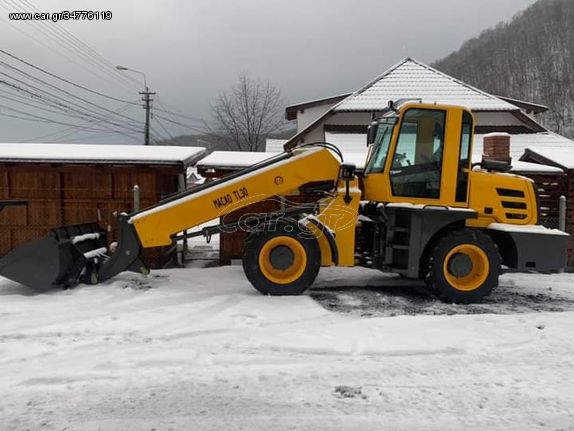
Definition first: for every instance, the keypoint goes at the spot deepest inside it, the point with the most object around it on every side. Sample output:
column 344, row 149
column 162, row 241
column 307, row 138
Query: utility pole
column 146, row 97
column 147, row 106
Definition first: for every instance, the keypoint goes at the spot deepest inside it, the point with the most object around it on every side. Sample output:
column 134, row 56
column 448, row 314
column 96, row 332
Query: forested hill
column 529, row 58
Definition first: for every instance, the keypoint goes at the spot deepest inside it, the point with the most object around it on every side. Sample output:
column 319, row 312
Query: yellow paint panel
column 485, row 197
column 341, row 218
column 156, row 225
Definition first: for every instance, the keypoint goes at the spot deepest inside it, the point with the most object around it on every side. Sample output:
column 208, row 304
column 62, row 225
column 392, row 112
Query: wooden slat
column 40, row 214
column 4, row 184
column 33, row 184
column 91, row 184
column 59, row 194
column 14, row 216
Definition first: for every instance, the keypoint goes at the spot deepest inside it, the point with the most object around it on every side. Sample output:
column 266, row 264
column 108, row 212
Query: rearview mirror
column 372, row 132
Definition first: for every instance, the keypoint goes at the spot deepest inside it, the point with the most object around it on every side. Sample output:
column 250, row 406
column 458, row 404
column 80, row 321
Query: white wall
column 496, row 119
column 350, row 119
column 308, row 115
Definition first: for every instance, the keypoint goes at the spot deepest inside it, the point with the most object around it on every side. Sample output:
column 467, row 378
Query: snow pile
column 200, row 349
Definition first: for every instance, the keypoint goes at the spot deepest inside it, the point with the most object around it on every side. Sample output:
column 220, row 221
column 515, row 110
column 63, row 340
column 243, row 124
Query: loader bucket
column 56, row 261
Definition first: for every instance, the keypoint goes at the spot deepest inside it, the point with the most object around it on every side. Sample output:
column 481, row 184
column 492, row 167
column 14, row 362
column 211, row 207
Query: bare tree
column 246, row 114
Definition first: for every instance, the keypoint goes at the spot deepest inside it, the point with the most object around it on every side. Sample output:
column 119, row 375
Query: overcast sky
column 191, row 49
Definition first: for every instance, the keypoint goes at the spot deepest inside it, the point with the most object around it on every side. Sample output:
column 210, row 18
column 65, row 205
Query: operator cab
column 411, row 146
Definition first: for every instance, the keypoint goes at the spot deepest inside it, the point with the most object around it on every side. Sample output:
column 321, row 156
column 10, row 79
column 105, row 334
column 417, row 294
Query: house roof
column 291, row 110
column 100, row 154
column 527, row 106
column 274, row 145
column 534, row 168
column 561, row 156
column 413, row 79
column 233, row 159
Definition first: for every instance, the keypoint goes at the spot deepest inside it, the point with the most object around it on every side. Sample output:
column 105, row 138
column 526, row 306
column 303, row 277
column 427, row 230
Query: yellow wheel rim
column 475, row 267
column 294, row 260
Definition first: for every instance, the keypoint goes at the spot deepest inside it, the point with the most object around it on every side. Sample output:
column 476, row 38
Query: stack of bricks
column 496, row 146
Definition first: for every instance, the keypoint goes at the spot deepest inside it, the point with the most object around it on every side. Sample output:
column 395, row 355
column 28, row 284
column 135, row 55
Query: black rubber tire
column 436, row 279
column 253, row 245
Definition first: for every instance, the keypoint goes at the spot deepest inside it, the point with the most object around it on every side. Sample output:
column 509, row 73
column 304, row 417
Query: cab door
column 416, row 166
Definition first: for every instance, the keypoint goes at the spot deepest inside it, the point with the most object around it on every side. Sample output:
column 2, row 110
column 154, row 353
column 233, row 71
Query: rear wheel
column 284, row 260
column 464, row 266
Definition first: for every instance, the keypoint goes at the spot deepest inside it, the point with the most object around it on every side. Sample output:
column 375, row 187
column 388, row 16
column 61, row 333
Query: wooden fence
column 59, row 195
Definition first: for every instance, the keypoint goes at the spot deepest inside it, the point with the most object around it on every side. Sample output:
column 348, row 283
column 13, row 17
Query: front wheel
column 464, row 266
column 281, row 259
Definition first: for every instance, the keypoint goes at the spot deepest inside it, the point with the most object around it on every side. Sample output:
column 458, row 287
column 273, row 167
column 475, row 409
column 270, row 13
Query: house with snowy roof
column 343, row 120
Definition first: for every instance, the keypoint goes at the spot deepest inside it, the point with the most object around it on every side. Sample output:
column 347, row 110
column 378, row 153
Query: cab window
column 417, row 161
column 381, row 147
column 464, row 158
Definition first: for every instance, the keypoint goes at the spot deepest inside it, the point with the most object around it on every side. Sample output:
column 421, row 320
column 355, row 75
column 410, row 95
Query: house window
column 417, row 162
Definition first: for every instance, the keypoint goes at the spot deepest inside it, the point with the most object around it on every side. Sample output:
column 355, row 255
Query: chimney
column 496, row 146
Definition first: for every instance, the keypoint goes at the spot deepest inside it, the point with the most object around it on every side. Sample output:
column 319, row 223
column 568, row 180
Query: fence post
column 562, row 214
column 136, row 191
column 562, row 224
column 181, row 187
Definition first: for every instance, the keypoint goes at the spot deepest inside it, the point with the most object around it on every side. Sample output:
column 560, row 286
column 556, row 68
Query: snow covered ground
column 199, row 349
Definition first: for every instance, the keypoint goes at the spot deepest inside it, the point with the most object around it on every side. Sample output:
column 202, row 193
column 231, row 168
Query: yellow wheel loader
column 419, row 208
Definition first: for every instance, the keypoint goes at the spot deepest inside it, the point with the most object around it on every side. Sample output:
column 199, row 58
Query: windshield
column 380, row 148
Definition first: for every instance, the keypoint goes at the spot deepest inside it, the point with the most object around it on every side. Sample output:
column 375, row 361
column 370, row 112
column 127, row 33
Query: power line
column 64, row 79
column 36, row 96
column 87, row 49
column 30, row 95
column 39, row 41
column 91, row 137
column 187, row 126
column 45, row 35
column 177, row 114
column 170, row 114
column 89, row 112
column 74, row 129
column 162, row 127
column 33, row 105
column 69, row 42
column 39, row 118
column 47, row 31
column 56, row 88
column 23, row 118
column 132, row 123
column 83, row 116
